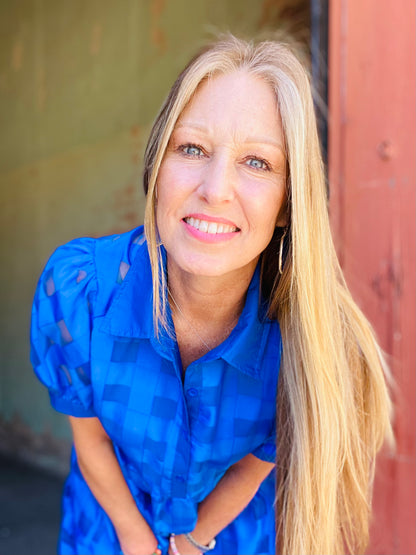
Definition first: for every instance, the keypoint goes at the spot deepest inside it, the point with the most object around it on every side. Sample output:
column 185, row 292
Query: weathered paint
column 372, row 186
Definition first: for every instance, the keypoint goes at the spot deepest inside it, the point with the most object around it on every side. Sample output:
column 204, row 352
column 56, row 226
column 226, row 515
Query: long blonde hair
column 333, row 407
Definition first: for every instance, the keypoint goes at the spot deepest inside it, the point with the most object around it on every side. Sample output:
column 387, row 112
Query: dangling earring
column 282, row 239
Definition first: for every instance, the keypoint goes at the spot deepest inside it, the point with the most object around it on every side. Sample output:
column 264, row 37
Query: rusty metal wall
column 372, row 179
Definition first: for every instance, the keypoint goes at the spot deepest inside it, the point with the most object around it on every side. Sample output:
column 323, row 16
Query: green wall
column 80, row 84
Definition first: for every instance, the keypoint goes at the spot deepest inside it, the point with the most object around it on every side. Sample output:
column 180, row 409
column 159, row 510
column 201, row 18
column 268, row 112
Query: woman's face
column 221, row 184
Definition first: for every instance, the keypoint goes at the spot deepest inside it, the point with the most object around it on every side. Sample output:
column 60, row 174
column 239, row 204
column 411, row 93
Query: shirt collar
column 131, row 312
column 245, row 347
column 131, row 315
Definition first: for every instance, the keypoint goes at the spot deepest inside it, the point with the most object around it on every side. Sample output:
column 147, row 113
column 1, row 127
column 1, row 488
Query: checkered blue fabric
column 94, row 347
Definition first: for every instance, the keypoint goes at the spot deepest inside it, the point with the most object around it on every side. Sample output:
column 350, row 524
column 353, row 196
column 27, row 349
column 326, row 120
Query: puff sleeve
column 62, row 317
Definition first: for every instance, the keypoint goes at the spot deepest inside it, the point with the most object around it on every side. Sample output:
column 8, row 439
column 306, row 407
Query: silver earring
column 282, row 239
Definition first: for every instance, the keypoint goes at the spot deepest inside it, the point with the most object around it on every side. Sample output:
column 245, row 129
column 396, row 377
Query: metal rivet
column 386, row 150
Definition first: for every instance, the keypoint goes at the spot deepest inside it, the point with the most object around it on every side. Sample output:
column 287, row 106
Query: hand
column 134, row 543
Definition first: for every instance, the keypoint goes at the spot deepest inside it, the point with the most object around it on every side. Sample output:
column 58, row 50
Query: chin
column 211, row 268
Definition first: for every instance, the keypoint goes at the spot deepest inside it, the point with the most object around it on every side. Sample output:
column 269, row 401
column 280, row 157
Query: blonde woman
column 164, row 344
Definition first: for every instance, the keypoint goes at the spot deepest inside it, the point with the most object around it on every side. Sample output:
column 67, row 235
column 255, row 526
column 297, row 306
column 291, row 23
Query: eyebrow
column 264, row 140
column 252, row 139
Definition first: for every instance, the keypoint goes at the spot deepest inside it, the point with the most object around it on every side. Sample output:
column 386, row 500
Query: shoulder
column 114, row 254
column 101, row 255
column 92, row 247
column 90, row 265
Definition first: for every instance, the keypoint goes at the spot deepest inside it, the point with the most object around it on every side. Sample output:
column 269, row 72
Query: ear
column 283, row 216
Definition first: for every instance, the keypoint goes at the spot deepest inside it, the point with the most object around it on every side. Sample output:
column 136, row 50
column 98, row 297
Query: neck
column 205, row 309
column 206, row 298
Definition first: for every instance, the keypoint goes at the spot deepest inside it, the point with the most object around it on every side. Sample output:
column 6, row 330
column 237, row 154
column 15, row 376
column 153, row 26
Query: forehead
column 239, row 101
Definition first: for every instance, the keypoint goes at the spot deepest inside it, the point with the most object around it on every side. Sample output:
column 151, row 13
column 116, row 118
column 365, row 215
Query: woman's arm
column 226, row 501
column 100, row 468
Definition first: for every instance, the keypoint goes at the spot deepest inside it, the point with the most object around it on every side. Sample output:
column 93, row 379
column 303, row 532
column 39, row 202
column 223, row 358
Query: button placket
column 192, row 390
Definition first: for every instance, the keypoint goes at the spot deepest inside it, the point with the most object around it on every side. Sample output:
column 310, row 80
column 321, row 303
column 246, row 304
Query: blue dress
column 93, row 346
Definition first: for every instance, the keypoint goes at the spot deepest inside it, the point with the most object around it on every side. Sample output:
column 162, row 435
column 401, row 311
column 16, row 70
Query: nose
column 219, row 180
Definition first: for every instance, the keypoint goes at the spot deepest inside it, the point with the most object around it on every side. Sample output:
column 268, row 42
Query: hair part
column 333, row 407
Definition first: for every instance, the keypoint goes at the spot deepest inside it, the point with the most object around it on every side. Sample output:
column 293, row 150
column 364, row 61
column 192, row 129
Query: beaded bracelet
column 173, row 545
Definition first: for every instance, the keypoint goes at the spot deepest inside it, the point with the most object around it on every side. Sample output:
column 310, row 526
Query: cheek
column 163, row 183
column 282, row 212
column 266, row 212
column 167, row 191
column 278, row 206
column 173, row 184
column 172, row 192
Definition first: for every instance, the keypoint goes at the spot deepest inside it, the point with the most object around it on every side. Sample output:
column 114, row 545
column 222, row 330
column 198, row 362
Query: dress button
column 192, row 392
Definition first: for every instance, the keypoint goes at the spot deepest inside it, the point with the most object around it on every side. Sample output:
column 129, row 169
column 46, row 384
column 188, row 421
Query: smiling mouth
column 210, row 227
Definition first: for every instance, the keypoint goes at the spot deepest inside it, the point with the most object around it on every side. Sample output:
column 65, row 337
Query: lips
column 211, row 227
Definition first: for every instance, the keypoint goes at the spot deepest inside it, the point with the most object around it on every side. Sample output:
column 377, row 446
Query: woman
column 164, row 344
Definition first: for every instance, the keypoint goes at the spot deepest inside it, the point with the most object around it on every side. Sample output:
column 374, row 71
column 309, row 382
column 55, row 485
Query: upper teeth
column 210, row 227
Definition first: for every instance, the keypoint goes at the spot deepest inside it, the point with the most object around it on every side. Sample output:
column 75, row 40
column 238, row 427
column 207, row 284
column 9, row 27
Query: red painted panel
column 372, row 177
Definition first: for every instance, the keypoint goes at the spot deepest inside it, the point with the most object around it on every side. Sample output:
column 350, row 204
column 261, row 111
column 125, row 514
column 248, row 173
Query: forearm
column 227, row 500
column 223, row 505
column 101, row 470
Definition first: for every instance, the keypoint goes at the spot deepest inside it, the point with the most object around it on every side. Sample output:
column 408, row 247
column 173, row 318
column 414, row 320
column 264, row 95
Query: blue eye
column 257, row 164
column 192, row 150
